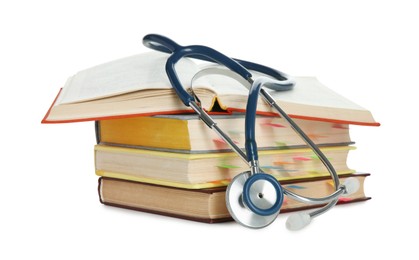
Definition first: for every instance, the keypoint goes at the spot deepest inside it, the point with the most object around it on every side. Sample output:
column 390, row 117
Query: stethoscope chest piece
column 256, row 205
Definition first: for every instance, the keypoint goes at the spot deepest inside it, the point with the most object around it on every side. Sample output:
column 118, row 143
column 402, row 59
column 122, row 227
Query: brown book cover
column 207, row 205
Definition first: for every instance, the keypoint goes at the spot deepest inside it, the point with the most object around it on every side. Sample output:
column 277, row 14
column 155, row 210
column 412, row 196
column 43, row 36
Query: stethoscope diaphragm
column 262, row 194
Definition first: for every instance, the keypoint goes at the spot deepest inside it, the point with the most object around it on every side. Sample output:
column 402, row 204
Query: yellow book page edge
column 214, row 184
column 107, row 148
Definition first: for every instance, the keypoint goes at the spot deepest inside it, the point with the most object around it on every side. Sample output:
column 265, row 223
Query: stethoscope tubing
column 241, row 67
column 251, row 147
column 203, row 52
column 164, row 44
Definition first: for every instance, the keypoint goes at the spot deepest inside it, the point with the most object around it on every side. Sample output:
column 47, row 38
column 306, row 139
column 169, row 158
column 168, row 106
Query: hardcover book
column 188, row 134
column 207, row 205
column 196, row 171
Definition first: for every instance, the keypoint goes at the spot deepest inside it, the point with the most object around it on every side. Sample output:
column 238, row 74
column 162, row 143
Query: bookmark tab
column 340, row 126
column 273, row 125
column 330, row 183
column 221, row 182
column 282, row 163
column 301, row 158
column 271, row 167
column 228, row 166
column 297, row 187
column 281, row 145
column 315, row 157
column 234, row 132
column 316, row 136
column 343, row 199
column 221, row 141
column 221, row 144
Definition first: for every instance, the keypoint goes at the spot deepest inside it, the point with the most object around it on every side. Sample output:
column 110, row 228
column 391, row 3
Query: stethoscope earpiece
column 351, row 186
column 298, row 221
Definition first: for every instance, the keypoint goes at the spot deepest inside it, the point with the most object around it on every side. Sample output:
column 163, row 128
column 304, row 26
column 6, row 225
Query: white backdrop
column 365, row 50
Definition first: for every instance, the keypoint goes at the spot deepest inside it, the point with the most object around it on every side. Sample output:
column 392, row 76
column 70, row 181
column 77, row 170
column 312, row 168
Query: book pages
column 138, row 72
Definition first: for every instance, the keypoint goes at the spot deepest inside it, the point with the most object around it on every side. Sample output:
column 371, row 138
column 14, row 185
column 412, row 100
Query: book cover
column 207, row 205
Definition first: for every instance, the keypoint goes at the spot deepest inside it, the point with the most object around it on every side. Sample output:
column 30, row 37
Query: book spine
column 97, row 131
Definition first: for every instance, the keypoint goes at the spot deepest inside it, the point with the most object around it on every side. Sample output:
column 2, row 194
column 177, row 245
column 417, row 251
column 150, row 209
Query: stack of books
column 153, row 157
column 175, row 165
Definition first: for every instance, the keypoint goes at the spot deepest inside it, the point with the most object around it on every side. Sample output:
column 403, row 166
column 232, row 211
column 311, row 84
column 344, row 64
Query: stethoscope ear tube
column 281, row 82
column 160, row 43
column 203, row 51
column 164, row 44
column 241, row 67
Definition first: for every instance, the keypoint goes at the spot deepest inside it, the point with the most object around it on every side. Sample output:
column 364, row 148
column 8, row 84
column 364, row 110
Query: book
column 138, row 85
column 196, row 171
column 188, row 134
column 208, row 205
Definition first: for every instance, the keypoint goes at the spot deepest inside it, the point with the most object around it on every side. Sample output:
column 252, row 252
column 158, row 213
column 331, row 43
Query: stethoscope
column 253, row 198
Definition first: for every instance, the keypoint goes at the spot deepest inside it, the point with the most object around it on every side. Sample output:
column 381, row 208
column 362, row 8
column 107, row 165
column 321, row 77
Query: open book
column 138, row 85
